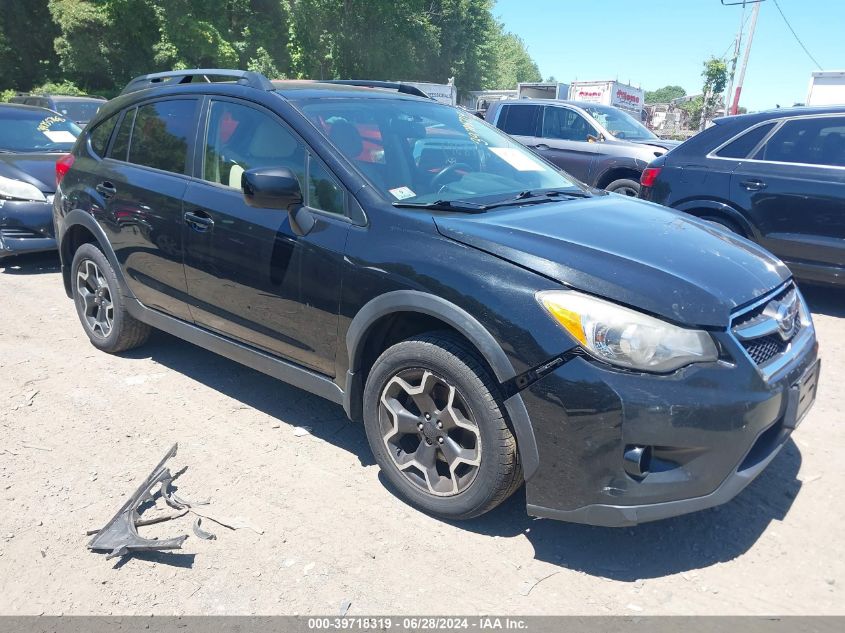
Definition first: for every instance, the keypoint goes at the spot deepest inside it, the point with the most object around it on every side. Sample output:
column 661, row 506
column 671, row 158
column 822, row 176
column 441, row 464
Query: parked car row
column 493, row 321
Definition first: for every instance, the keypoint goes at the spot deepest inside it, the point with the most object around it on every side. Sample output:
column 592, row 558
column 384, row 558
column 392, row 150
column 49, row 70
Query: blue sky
column 655, row 43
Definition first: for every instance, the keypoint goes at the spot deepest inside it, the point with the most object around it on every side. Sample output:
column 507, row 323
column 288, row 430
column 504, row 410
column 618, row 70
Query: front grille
column 765, row 349
column 772, row 343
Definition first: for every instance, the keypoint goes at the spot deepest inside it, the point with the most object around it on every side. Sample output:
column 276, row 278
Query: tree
column 715, row 76
column 27, row 31
column 664, row 94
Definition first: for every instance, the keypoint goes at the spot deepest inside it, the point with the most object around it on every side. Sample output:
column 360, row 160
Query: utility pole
column 755, row 12
column 737, row 47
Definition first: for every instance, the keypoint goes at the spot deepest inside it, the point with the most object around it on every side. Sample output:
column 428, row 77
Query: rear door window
column 161, row 135
column 743, row 146
column 519, row 120
column 809, row 141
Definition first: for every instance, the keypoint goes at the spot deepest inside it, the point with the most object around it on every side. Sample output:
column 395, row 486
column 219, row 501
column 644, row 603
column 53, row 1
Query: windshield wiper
column 553, row 193
column 445, row 205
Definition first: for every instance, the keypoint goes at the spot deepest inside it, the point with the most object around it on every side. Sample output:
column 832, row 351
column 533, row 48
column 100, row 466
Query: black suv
column 489, row 319
column 775, row 177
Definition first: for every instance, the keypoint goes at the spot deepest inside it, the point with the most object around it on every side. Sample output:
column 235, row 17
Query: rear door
column 522, row 121
column 794, row 190
column 249, row 275
column 141, row 184
column 564, row 140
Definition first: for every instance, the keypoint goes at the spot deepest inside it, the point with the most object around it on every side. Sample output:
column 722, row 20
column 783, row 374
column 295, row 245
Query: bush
column 59, row 88
column 6, row 95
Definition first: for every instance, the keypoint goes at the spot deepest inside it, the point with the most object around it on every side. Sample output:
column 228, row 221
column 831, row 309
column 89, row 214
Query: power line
column 795, row 35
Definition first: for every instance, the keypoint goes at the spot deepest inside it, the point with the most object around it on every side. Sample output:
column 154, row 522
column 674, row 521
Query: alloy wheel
column 429, row 432
column 95, row 298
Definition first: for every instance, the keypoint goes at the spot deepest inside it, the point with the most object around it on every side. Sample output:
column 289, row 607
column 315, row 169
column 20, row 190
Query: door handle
column 542, row 147
column 754, row 184
column 200, row 223
column 106, row 188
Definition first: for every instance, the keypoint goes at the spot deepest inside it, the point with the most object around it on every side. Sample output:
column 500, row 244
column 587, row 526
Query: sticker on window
column 400, row 193
column 517, row 159
column 59, row 136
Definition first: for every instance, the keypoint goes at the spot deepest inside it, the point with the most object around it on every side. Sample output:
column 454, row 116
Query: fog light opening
column 637, row 460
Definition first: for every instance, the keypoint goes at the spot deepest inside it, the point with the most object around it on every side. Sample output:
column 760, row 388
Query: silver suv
column 599, row 145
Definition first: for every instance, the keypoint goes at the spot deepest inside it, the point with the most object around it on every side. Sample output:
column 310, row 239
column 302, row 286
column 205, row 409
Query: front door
column 249, row 275
column 565, row 141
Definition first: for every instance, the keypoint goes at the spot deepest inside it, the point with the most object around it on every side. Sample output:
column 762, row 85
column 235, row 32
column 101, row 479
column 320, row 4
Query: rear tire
column 99, row 304
column 625, row 187
column 437, row 429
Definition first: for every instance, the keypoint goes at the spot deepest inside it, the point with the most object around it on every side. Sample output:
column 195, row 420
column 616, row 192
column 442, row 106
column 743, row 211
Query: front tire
column 437, row 429
column 99, row 304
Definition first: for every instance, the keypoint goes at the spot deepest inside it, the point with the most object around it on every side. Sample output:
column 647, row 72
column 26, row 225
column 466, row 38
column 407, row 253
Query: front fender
column 469, row 327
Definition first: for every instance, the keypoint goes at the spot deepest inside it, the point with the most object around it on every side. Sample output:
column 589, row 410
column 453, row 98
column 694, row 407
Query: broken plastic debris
column 120, row 536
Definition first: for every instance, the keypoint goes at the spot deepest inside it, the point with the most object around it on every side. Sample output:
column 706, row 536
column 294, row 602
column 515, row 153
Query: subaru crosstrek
column 490, row 320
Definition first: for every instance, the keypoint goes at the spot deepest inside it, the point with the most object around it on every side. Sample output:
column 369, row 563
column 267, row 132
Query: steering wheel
column 441, row 178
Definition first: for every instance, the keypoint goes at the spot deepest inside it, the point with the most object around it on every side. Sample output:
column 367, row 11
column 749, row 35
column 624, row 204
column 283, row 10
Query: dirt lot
column 80, row 429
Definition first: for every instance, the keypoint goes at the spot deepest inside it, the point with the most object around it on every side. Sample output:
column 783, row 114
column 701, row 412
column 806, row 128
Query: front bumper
column 711, row 430
column 26, row 227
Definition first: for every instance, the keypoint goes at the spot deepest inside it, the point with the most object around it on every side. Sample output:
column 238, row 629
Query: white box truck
column 827, row 87
column 542, row 90
column 612, row 93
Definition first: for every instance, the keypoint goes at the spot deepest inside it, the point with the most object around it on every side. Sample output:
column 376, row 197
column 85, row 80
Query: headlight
column 19, row 190
column 625, row 337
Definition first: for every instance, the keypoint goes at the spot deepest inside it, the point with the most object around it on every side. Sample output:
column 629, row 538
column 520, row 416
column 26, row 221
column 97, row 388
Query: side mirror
column 277, row 188
column 271, row 188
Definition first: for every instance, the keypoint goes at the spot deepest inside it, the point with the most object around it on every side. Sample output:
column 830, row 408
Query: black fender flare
column 78, row 217
column 469, row 327
column 696, row 206
column 619, row 163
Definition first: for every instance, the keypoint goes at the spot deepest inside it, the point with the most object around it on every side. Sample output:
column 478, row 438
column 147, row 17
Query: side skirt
column 290, row 373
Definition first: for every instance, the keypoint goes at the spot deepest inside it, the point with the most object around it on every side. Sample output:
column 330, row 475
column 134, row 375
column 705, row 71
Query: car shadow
column 826, row 300
column 661, row 548
column 285, row 403
column 650, row 550
column 31, row 264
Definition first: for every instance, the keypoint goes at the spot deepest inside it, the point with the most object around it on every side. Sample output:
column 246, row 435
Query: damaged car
column 30, row 139
column 493, row 322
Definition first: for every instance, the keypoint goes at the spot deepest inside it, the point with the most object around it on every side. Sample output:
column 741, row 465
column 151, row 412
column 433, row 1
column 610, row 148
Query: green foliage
column 694, row 108
column 6, row 95
column 715, row 75
column 58, row 88
column 664, row 94
column 99, row 45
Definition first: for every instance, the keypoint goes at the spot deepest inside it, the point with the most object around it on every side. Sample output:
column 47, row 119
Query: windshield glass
column 619, row 123
column 420, row 152
column 35, row 130
column 78, row 110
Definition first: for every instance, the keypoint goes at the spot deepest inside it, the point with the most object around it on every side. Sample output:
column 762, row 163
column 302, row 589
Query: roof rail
column 172, row 77
column 369, row 83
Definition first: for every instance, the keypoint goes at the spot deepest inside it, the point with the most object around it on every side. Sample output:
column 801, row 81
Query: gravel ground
column 80, row 429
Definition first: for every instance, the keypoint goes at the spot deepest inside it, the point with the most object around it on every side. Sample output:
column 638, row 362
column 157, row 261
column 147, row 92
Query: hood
column 36, row 169
column 630, row 251
column 656, row 142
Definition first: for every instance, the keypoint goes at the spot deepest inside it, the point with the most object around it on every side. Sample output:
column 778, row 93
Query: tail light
column 63, row 165
column 650, row 174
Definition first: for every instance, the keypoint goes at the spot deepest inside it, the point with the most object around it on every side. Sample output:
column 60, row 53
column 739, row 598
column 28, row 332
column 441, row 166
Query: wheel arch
column 618, row 173
column 717, row 209
column 367, row 336
column 81, row 228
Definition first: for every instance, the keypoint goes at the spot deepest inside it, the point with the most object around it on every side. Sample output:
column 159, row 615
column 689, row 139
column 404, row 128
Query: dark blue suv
column 490, row 320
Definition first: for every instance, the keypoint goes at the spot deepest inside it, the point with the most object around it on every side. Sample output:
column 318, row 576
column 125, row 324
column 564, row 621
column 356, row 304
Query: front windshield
column 619, row 123
column 78, row 110
column 35, row 130
column 420, row 152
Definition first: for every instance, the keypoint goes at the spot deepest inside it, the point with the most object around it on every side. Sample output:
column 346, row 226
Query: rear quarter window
column 100, row 135
column 741, row 147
